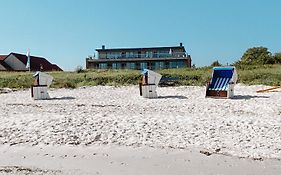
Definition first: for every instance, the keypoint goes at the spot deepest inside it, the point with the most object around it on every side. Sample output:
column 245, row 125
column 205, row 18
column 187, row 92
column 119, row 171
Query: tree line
column 256, row 56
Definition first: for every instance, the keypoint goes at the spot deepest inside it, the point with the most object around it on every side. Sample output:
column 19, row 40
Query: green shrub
column 257, row 74
column 79, row 69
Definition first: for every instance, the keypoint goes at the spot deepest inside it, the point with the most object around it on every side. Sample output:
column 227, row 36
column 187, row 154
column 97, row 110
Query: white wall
column 14, row 63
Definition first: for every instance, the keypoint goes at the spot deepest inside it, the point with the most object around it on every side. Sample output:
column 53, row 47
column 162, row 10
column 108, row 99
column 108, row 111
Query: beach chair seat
column 39, row 92
column 222, row 82
column 149, row 91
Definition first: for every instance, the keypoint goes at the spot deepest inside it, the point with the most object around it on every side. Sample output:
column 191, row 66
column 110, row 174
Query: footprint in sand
column 63, row 156
column 123, row 164
column 105, row 155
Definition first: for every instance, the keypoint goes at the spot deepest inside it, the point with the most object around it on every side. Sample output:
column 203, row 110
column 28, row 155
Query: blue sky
column 67, row 31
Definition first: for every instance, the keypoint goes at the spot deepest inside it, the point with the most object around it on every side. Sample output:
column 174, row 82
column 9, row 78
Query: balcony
column 130, row 55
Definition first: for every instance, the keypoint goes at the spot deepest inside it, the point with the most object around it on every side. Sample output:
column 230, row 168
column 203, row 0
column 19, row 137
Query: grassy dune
column 267, row 74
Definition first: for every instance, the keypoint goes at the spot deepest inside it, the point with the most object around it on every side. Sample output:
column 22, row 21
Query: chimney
column 103, row 47
column 180, row 44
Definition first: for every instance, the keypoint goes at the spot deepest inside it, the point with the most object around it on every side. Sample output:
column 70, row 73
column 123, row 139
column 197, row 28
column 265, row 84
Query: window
column 176, row 64
column 139, row 54
column 103, row 65
column 152, row 65
column 159, row 65
column 131, row 55
column 131, row 66
column 114, row 55
column 114, row 65
column 127, row 55
column 118, row 65
column 143, row 65
column 155, row 55
column 163, row 54
column 147, row 54
column 123, row 54
column 150, row 54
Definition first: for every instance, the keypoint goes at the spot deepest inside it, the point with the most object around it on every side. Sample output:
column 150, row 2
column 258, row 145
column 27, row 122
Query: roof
column 2, row 57
column 226, row 72
column 5, row 65
column 37, row 63
column 224, row 68
column 56, row 67
column 144, row 48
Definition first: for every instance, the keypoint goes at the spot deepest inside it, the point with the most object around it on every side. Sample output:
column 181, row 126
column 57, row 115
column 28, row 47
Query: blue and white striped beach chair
column 222, row 82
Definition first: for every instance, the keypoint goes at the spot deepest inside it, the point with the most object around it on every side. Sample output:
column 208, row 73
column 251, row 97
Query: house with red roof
column 17, row 62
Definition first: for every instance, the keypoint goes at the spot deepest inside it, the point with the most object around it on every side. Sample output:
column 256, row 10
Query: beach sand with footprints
column 112, row 130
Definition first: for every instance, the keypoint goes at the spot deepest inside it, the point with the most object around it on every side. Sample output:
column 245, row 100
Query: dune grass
column 249, row 75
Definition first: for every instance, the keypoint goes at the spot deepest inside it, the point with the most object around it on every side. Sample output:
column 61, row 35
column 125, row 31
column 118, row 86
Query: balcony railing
column 146, row 55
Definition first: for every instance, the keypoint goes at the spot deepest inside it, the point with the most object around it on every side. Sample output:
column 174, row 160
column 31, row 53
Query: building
column 17, row 62
column 140, row 58
column 4, row 66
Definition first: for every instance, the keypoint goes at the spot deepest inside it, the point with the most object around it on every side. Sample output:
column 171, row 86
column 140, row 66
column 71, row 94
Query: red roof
column 37, row 63
column 56, row 67
column 2, row 57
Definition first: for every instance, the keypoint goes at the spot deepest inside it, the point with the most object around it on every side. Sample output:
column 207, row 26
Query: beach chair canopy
column 43, row 78
column 153, row 77
column 222, row 76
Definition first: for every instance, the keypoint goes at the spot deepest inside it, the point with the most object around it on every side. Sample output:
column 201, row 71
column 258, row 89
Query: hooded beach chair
column 222, row 82
column 149, row 82
column 41, row 83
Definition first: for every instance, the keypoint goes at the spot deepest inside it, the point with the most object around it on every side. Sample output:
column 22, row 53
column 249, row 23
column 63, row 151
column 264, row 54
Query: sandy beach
column 115, row 131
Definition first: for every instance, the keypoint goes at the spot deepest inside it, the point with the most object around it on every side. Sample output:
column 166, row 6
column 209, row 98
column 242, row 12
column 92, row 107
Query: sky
column 67, row 31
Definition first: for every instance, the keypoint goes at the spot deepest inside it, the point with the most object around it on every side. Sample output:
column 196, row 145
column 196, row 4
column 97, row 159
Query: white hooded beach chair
column 222, row 82
column 41, row 83
column 148, row 84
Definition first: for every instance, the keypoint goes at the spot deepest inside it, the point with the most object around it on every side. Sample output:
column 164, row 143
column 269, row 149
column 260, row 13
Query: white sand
column 108, row 160
column 182, row 118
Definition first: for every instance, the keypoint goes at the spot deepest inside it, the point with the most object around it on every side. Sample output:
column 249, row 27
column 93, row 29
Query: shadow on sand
column 247, row 97
column 173, row 97
column 62, row 98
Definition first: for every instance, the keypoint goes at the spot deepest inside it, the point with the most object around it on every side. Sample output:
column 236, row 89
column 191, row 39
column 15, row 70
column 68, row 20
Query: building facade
column 140, row 58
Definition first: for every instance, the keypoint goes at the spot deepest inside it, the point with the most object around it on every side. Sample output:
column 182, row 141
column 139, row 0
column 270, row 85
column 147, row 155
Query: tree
column 79, row 69
column 277, row 58
column 216, row 63
column 257, row 55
